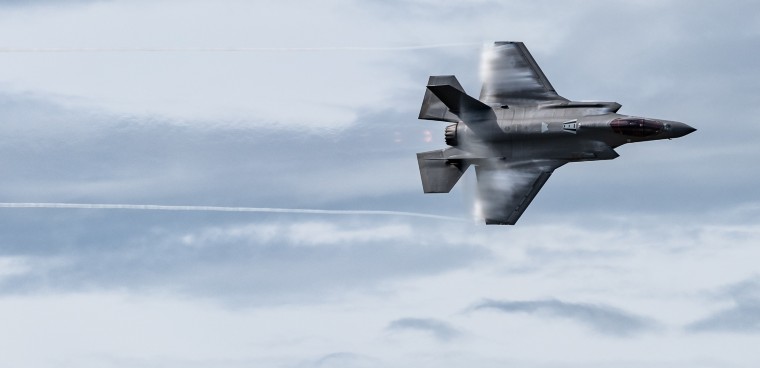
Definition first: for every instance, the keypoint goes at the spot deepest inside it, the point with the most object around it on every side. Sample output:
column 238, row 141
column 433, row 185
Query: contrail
column 153, row 207
column 231, row 49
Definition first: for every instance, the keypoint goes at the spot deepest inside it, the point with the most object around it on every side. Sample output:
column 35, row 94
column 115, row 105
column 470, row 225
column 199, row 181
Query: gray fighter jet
column 519, row 131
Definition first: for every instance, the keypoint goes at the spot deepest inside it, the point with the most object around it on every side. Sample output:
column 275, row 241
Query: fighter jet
column 519, row 131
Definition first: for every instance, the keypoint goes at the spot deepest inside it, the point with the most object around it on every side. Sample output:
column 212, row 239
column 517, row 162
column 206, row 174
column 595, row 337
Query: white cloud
column 622, row 266
column 302, row 233
column 13, row 266
column 316, row 233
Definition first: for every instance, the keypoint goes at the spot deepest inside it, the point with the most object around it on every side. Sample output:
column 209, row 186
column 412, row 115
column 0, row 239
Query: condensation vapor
column 499, row 182
column 487, row 56
column 153, row 207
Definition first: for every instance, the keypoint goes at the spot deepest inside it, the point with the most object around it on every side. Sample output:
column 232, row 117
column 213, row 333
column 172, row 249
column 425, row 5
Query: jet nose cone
column 678, row 129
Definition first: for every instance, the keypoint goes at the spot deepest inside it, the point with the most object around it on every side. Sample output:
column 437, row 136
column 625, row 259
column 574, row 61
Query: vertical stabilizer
column 432, row 107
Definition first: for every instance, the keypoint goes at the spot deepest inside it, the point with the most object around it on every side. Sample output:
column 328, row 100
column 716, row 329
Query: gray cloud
column 441, row 330
column 63, row 154
column 600, row 318
column 262, row 261
column 743, row 317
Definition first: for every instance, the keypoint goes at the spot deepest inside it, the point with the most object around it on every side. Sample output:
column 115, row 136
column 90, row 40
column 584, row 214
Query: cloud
column 742, row 317
column 254, row 263
column 10, row 266
column 61, row 153
column 437, row 328
column 28, row 3
column 64, row 153
column 600, row 318
column 308, row 90
column 338, row 130
column 346, row 360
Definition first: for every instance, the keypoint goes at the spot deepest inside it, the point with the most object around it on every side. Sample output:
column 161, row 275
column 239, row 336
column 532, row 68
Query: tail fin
column 432, row 107
column 439, row 174
column 458, row 102
column 445, row 100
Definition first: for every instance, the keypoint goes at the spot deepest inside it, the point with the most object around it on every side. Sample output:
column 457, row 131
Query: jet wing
column 512, row 77
column 505, row 189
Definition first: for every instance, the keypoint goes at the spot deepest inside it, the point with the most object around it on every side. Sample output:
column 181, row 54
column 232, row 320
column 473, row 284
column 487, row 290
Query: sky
column 646, row 260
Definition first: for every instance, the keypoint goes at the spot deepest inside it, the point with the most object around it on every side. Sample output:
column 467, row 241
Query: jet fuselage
column 576, row 131
column 519, row 131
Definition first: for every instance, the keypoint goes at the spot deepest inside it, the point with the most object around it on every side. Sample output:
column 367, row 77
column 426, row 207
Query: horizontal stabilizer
column 438, row 174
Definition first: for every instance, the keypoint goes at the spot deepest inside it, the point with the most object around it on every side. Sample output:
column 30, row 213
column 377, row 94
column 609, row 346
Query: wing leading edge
column 512, row 77
column 505, row 189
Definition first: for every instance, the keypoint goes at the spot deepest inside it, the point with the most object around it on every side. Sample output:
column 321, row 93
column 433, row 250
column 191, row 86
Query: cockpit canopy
column 637, row 127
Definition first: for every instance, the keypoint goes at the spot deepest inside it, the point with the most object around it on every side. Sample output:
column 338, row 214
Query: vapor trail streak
column 153, row 207
column 230, row 49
